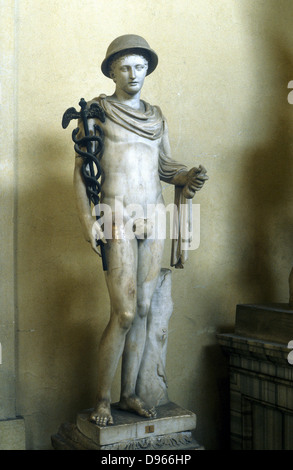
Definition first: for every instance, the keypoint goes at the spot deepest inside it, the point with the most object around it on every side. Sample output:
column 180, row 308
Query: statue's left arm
column 176, row 173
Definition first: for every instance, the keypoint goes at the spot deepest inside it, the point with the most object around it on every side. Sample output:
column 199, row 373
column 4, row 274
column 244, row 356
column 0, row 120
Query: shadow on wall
column 263, row 201
column 214, row 398
column 266, row 196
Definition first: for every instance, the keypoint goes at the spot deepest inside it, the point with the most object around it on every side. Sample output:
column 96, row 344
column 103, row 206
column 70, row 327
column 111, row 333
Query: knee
column 143, row 308
column 125, row 319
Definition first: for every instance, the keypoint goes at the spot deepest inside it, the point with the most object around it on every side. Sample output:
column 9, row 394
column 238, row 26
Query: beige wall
column 7, row 204
column 222, row 84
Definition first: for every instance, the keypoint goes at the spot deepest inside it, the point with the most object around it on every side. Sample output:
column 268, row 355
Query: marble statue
column 136, row 158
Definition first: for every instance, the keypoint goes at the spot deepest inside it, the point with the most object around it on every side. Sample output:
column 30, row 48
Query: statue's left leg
column 150, row 253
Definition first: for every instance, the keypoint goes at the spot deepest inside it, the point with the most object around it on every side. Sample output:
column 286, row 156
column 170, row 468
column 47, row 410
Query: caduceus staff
column 92, row 156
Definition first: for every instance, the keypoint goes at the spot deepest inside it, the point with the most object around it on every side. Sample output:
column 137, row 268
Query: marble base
column 170, row 430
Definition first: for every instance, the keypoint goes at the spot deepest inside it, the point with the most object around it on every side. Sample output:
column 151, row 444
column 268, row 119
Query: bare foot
column 102, row 414
column 133, row 403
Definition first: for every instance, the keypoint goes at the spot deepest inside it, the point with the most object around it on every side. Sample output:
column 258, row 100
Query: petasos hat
column 133, row 43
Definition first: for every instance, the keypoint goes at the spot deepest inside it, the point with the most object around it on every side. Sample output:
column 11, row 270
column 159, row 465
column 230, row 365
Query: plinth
column 261, row 377
column 170, row 430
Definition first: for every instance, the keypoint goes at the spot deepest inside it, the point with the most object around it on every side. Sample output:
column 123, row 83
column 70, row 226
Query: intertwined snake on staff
column 91, row 168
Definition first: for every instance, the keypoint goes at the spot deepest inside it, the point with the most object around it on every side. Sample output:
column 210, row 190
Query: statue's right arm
column 90, row 227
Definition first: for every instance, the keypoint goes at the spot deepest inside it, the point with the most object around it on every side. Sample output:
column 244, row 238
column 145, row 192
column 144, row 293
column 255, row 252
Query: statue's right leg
column 121, row 282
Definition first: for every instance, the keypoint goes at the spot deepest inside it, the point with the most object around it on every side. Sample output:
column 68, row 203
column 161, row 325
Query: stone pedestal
column 261, row 377
column 170, row 430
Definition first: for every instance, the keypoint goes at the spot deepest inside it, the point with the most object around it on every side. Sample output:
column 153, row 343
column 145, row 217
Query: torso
column 130, row 168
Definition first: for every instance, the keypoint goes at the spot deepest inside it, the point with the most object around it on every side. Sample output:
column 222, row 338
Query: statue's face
column 129, row 73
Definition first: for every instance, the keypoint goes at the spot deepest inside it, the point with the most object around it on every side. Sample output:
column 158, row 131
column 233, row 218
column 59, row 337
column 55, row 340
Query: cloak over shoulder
column 148, row 124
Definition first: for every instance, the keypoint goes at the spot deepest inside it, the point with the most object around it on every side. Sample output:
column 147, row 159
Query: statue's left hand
column 195, row 179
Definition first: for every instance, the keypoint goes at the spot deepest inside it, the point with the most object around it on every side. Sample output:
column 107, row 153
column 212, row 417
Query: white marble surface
column 171, row 419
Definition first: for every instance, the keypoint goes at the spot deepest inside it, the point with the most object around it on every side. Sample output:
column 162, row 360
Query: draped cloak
column 150, row 124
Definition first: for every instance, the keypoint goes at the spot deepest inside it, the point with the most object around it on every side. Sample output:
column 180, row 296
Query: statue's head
column 129, row 44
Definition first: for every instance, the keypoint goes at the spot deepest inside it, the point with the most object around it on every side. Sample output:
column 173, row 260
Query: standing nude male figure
column 136, row 158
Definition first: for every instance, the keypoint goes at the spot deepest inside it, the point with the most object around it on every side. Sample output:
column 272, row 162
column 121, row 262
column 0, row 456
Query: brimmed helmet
column 130, row 43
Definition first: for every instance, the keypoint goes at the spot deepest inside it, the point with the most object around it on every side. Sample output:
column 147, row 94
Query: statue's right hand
column 97, row 234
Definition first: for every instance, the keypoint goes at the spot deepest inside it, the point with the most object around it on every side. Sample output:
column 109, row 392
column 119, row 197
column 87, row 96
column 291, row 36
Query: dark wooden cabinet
column 261, row 378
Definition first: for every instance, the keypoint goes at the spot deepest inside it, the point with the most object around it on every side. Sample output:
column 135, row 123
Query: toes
column 153, row 412
column 102, row 420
